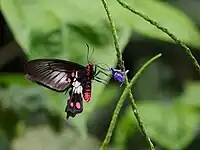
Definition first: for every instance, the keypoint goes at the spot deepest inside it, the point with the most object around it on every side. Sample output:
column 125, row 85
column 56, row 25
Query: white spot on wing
column 77, row 88
column 61, row 75
column 76, row 84
column 53, row 74
column 64, row 79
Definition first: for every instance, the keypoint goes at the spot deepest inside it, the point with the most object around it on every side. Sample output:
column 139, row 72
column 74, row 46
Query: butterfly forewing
column 52, row 73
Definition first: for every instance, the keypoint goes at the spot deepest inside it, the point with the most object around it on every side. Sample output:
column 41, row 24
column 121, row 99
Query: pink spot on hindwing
column 78, row 105
column 72, row 104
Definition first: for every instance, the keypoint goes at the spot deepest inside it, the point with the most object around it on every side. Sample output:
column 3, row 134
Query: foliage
column 171, row 125
column 60, row 29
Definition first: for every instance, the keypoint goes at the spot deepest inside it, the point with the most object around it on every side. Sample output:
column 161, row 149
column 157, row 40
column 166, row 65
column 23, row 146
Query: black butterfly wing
column 74, row 104
column 51, row 73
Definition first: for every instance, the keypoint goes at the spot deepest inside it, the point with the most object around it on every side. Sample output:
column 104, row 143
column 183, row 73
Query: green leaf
column 60, row 29
column 152, row 76
column 191, row 95
column 18, row 98
column 109, row 94
column 124, row 129
column 61, row 26
column 14, row 79
column 166, row 15
column 173, row 127
column 17, row 84
column 43, row 138
column 18, row 104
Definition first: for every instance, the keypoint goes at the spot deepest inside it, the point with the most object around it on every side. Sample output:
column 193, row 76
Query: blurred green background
column 167, row 94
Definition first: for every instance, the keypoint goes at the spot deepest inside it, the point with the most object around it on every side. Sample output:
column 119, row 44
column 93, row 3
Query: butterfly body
column 88, row 85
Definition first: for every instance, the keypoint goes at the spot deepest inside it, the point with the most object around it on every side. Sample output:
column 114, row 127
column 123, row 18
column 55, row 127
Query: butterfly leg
column 101, row 79
column 101, row 82
column 103, row 73
column 100, row 72
column 97, row 73
column 101, row 68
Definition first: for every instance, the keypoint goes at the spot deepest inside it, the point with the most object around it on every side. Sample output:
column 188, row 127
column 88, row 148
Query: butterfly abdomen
column 88, row 83
column 87, row 92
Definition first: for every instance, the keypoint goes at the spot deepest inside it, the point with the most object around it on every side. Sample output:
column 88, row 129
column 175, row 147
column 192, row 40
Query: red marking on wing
column 87, row 95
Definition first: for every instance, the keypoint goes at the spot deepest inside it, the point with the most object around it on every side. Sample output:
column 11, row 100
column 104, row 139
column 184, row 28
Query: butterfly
column 65, row 76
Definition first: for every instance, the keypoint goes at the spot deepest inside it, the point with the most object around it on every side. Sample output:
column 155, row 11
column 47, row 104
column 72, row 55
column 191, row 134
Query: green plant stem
column 120, row 102
column 114, row 33
column 128, row 90
column 165, row 30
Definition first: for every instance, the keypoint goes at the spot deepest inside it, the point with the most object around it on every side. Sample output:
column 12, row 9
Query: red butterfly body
column 88, row 85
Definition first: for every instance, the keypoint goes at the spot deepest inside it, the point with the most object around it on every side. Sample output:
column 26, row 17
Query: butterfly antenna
column 91, row 54
column 101, row 82
column 98, row 78
column 102, row 67
column 88, row 49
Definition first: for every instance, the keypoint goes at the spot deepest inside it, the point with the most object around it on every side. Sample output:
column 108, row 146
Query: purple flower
column 118, row 75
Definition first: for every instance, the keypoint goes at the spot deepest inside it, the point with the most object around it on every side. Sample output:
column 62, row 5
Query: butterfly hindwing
column 52, row 73
column 74, row 104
